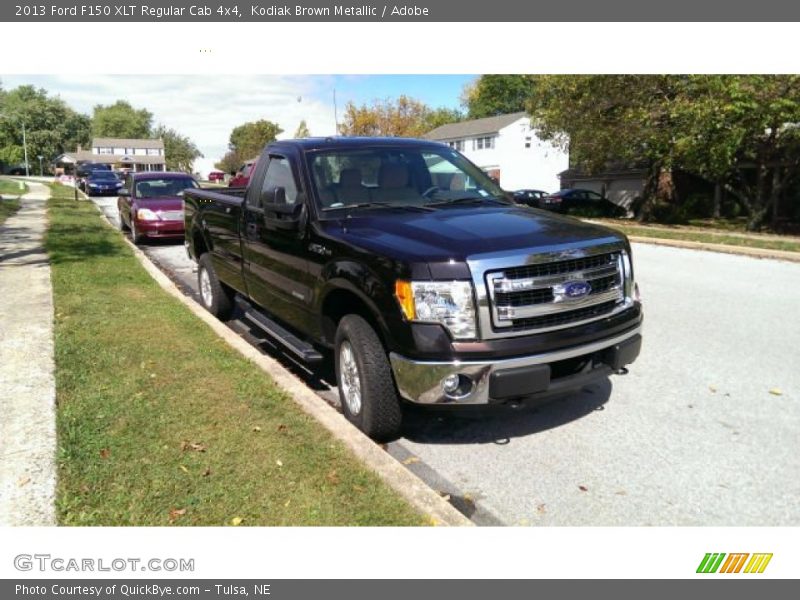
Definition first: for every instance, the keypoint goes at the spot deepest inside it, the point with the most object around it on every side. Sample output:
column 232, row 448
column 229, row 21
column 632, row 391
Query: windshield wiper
column 376, row 205
column 468, row 200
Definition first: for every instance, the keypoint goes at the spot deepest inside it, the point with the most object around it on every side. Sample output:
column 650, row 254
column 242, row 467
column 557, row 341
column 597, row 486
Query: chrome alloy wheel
column 205, row 288
column 349, row 378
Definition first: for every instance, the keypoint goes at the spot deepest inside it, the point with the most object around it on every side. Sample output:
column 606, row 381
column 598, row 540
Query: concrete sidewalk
column 27, row 385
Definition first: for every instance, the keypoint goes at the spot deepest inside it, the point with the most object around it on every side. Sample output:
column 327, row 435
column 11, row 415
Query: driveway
column 703, row 431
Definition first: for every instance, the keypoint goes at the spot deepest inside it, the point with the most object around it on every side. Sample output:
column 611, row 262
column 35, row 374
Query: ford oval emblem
column 577, row 289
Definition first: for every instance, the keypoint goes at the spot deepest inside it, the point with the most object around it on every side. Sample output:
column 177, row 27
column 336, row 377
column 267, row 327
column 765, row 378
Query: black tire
column 217, row 298
column 136, row 237
column 380, row 415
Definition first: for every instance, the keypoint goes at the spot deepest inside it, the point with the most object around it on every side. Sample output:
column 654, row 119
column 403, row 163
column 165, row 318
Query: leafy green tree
column 491, row 95
column 51, row 126
column 121, row 120
column 442, row 116
column 247, row 141
column 180, row 151
column 302, row 131
column 736, row 130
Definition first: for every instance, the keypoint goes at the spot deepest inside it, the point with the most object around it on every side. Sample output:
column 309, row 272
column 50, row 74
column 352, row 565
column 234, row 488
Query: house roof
column 110, row 159
column 476, row 127
column 126, row 143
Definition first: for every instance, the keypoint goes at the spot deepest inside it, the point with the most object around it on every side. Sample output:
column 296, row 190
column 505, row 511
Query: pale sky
column 207, row 108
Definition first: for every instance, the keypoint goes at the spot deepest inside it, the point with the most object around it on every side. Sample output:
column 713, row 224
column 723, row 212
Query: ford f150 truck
column 424, row 280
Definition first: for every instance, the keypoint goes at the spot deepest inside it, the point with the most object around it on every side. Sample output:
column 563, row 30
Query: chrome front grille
column 555, row 294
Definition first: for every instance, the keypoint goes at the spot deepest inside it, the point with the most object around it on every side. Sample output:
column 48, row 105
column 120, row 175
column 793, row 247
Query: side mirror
column 278, row 214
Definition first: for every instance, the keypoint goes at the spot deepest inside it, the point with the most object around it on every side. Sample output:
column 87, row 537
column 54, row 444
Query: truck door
column 276, row 267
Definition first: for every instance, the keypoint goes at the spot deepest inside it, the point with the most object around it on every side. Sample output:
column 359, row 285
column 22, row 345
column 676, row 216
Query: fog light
column 450, row 384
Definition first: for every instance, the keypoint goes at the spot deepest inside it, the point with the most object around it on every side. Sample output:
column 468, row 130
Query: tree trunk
column 659, row 190
column 717, row 210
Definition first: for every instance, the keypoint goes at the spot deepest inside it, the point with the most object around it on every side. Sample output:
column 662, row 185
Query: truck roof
column 329, row 143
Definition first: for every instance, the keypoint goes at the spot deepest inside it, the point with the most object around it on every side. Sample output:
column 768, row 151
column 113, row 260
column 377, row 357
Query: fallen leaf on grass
column 152, row 375
column 333, row 477
column 288, row 502
column 23, row 481
column 175, row 513
column 583, row 488
column 236, row 521
column 282, row 427
column 183, row 468
column 207, row 472
column 411, row 460
column 776, row 392
column 279, row 462
column 256, row 428
column 196, row 446
column 540, row 508
column 433, row 521
column 105, row 453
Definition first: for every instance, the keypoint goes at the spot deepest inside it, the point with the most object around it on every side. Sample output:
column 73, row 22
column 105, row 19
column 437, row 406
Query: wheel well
column 340, row 303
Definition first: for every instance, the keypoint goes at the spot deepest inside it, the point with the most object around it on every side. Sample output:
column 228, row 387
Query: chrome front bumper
column 421, row 381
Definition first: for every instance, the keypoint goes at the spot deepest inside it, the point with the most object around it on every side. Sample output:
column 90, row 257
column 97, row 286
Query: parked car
column 529, row 197
column 150, row 204
column 85, row 169
column 581, row 203
column 427, row 285
column 216, row 176
column 241, row 177
column 102, row 183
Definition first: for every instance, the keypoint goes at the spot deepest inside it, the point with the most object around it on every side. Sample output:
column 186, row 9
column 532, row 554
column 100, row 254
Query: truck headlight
column 145, row 214
column 447, row 302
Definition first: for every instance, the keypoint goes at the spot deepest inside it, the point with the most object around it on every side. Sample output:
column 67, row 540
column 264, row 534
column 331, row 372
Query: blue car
column 102, row 182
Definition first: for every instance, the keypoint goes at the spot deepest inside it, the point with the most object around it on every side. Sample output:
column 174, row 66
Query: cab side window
column 278, row 175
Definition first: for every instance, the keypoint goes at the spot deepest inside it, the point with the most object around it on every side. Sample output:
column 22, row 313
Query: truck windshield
column 401, row 176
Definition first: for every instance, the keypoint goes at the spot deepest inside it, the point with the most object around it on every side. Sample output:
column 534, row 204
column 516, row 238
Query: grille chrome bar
column 504, row 285
column 511, row 313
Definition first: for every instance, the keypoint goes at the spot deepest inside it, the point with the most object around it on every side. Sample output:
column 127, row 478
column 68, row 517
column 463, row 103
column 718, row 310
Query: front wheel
column 136, row 237
column 217, row 298
column 366, row 387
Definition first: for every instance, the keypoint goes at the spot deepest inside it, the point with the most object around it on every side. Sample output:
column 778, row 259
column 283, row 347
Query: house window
column 153, row 152
column 483, row 143
column 457, row 145
column 105, row 151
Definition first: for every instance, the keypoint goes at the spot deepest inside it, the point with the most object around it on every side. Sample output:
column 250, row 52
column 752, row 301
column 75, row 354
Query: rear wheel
column 216, row 297
column 366, row 387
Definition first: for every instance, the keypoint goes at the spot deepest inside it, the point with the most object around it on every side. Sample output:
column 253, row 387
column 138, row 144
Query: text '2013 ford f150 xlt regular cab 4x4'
column 414, row 268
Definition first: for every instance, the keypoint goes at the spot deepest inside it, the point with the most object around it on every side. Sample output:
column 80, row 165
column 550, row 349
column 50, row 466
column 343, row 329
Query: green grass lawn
column 160, row 422
column 709, row 237
column 9, row 187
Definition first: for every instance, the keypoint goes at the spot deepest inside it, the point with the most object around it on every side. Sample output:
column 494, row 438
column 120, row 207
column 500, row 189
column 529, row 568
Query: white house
column 128, row 154
column 507, row 148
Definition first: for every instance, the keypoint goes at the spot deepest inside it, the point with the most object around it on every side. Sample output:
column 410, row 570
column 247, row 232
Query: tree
column 179, row 150
column 403, row 117
column 51, row 126
column 736, row 130
column 121, row 120
column 491, row 95
column 247, row 141
column 302, row 131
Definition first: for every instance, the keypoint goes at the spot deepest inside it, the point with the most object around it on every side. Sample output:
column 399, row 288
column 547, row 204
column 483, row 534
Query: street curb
column 428, row 502
column 723, row 248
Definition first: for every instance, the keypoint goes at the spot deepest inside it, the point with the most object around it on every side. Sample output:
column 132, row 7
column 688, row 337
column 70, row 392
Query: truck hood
column 454, row 233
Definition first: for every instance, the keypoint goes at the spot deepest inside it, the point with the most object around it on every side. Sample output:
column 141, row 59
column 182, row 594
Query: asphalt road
column 691, row 436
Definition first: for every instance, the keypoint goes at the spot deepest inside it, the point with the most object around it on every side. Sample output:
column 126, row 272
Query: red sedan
column 150, row 204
